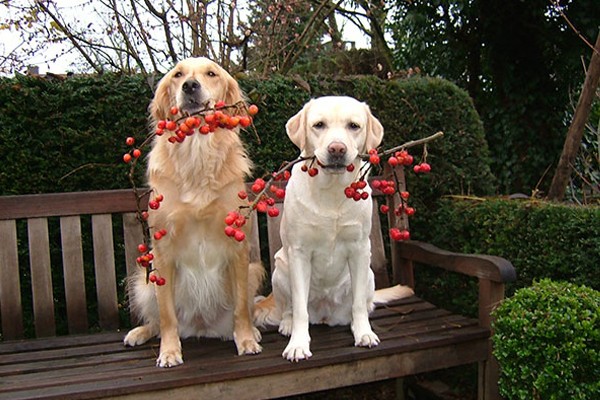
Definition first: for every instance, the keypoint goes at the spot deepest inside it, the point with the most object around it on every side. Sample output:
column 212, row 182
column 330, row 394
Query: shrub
column 547, row 341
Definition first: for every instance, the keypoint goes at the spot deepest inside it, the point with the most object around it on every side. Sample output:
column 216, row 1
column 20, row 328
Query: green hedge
column 547, row 342
column 542, row 240
column 50, row 129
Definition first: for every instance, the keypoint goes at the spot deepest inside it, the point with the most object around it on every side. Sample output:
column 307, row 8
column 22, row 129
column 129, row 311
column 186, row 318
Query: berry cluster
column 264, row 202
column 145, row 260
column 356, row 190
column 400, row 158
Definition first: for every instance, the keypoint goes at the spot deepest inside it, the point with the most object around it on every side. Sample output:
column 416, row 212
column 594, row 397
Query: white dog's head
column 193, row 84
column 335, row 129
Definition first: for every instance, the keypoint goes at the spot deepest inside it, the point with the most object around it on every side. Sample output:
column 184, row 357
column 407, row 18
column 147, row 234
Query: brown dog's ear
column 296, row 128
column 374, row 131
column 161, row 103
column 233, row 93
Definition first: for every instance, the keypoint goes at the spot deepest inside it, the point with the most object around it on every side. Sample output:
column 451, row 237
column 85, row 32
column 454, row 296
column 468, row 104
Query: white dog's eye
column 319, row 125
column 354, row 126
column 178, row 74
column 211, row 74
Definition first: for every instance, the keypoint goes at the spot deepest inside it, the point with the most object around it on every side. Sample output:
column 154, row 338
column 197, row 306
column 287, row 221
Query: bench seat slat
column 41, row 277
column 72, row 252
column 11, row 311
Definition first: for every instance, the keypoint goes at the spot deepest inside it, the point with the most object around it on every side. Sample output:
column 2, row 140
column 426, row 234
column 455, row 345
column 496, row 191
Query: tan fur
column 209, row 282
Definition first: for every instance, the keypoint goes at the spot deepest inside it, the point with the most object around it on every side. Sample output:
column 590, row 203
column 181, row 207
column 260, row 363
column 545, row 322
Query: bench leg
column 490, row 296
column 400, row 389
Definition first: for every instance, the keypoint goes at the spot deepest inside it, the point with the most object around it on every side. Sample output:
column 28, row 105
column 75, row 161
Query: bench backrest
column 88, row 242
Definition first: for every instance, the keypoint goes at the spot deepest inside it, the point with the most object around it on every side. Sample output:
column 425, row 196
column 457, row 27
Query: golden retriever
column 209, row 282
column 322, row 272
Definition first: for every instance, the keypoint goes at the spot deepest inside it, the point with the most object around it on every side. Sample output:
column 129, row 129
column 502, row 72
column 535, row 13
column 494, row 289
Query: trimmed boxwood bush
column 547, row 342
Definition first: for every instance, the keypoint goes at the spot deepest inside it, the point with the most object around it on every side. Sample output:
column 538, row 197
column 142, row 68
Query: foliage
column 520, row 79
column 542, row 240
column 547, row 342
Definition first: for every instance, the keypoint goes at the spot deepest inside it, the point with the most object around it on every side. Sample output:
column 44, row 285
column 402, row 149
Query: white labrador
column 322, row 272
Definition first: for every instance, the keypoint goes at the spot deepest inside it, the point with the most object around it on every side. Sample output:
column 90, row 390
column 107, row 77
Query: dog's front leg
column 170, row 346
column 298, row 347
column 362, row 284
column 245, row 334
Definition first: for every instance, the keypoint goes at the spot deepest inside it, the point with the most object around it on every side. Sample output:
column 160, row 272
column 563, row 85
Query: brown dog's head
column 193, row 84
column 335, row 129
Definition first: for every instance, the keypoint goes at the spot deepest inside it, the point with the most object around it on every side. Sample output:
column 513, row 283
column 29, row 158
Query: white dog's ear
column 374, row 131
column 233, row 93
column 161, row 103
column 296, row 127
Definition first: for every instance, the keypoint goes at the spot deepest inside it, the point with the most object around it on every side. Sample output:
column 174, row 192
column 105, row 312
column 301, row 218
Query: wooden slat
column 41, row 277
column 273, row 224
column 133, row 236
column 378, row 260
column 72, row 253
column 11, row 310
column 254, row 238
column 104, row 262
column 62, row 204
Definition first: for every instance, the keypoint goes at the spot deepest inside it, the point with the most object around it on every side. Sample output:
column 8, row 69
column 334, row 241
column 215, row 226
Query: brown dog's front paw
column 248, row 344
column 168, row 359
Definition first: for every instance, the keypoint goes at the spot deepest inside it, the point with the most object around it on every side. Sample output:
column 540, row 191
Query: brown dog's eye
column 178, row 74
column 319, row 125
column 354, row 126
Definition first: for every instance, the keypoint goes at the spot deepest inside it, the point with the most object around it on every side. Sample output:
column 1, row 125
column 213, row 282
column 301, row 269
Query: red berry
column 364, row 195
column 159, row 198
column 145, row 215
column 273, row 212
column 161, row 281
column 163, row 231
column 304, row 168
column 425, row 167
column 174, row 110
column 361, row 184
column 313, row 171
column 171, row 125
column 374, row 159
column 393, row 161
column 162, row 124
column 242, row 194
column 280, row 193
column 261, row 206
column 384, row 208
column 204, row 129
column 239, row 235
column 405, row 195
column 129, row 141
column 417, row 169
column 152, row 278
column 409, row 211
column 230, row 231
column 220, row 104
column 408, row 160
column 137, row 153
column 157, row 235
column 349, row 192
column 142, row 248
column 230, row 218
column 127, row 158
column 350, row 167
column 376, row 184
column 253, row 109
column 245, row 121
column 153, row 204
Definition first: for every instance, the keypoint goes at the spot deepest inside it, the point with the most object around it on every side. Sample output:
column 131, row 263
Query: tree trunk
column 575, row 133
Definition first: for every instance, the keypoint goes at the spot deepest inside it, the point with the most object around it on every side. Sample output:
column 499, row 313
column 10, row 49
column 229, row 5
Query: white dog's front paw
column 168, row 359
column 296, row 351
column 367, row 339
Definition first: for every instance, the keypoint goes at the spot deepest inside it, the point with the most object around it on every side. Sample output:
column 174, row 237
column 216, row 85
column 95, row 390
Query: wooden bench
column 48, row 235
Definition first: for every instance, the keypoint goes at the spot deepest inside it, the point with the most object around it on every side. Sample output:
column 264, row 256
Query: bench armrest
column 493, row 268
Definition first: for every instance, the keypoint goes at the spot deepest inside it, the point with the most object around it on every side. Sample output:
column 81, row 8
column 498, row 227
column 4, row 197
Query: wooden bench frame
column 416, row 336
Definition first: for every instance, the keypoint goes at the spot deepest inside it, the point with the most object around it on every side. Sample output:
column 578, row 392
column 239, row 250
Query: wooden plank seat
column 416, row 336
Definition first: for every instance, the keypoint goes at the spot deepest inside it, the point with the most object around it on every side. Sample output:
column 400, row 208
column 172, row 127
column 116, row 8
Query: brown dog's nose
column 336, row 149
column 190, row 86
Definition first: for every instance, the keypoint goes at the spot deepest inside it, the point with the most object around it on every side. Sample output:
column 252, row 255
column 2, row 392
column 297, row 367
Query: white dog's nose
column 337, row 149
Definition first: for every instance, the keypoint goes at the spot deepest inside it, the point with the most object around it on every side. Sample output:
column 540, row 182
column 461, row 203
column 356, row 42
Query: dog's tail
column 383, row 296
column 266, row 311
